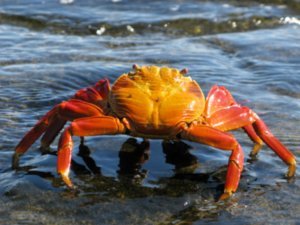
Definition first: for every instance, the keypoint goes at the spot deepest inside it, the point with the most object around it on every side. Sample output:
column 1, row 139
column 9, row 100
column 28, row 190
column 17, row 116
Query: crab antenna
column 184, row 71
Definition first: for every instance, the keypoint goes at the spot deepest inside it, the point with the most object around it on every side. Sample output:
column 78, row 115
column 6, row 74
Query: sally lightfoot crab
column 155, row 102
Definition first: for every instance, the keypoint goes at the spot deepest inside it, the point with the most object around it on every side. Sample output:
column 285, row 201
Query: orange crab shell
column 155, row 100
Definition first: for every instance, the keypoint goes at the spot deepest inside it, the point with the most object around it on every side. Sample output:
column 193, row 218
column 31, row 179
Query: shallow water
column 50, row 49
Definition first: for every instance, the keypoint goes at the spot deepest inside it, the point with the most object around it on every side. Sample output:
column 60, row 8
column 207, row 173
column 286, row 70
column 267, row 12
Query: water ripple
column 50, row 49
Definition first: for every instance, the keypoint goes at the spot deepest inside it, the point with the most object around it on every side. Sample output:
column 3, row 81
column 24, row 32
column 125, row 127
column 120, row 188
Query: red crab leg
column 233, row 117
column 94, row 94
column 236, row 116
column 51, row 132
column 249, row 129
column 100, row 125
column 230, row 118
column 35, row 132
column 52, row 123
column 220, row 99
column 219, row 139
column 69, row 110
column 266, row 135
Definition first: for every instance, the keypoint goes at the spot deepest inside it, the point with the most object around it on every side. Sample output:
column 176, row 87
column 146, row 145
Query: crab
column 160, row 103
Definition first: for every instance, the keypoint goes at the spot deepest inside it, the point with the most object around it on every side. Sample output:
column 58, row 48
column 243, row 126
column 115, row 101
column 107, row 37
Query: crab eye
column 135, row 67
column 184, row 71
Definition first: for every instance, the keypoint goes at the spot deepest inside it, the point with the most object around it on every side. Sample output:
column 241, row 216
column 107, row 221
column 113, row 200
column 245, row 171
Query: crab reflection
column 132, row 156
column 177, row 153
